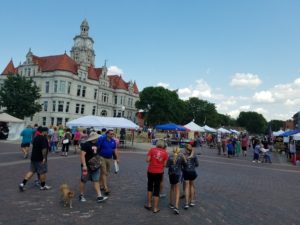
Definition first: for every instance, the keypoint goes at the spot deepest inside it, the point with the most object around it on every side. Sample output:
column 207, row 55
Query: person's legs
column 171, row 195
column 187, row 193
column 177, row 194
column 150, row 184
column 192, row 192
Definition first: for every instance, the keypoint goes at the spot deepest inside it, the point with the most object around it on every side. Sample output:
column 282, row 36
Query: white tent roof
column 4, row 117
column 102, row 122
column 194, row 127
column 223, row 130
column 296, row 137
column 277, row 133
column 234, row 131
column 209, row 129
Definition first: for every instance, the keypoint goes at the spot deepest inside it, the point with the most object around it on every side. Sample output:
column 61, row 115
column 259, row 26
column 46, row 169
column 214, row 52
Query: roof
column 94, row 73
column 117, row 82
column 4, row 117
column 10, row 68
column 56, row 62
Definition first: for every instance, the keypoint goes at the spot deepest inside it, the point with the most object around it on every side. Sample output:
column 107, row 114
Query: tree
column 19, row 95
column 253, row 122
column 160, row 105
column 276, row 124
column 226, row 120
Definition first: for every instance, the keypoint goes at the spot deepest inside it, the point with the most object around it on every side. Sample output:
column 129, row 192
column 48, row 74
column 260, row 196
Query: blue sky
column 240, row 55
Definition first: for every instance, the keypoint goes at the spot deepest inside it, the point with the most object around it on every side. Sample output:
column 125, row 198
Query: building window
column 69, row 87
column 29, row 71
column 115, row 113
column 116, row 100
column 47, row 85
column 53, row 106
column 60, row 106
column 94, row 110
column 52, row 120
column 62, row 86
column 77, row 108
column 78, row 90
column 55, row 86
column 82, row 109
column 44, row 121
column 121, row 100
column 103, row 113
column 104, row 97
column 67, row 106
column 95, row 93
column 83, row 91
column 66, row 120
column 59, row 121
column 45, row 106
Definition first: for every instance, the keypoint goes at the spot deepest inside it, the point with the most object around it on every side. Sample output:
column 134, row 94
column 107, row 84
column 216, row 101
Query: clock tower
column 82, row 51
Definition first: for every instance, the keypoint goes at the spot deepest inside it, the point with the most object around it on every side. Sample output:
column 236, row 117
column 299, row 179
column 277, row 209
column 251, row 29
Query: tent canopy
column 209, row 129
column 234, row 131
column 277, row 133
column 296, row 137
column 102, row 122
column 194, row 127
column 223, row 130
column 170, row 126
column 4, row 117
column 290, row 132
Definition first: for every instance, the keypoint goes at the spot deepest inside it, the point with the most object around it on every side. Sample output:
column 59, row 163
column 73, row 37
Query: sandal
column 156, row 211
column 147, row 207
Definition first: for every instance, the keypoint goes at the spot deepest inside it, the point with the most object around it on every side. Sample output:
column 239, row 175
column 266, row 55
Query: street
column 228, row 191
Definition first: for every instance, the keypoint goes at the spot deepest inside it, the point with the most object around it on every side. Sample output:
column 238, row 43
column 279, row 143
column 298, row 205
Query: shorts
column 25, row 145
column 75, row 142
column 174, row 178
column 189, row 175
column 244, row 148
column 92, row 175
column 105, row 165
column 38, row 167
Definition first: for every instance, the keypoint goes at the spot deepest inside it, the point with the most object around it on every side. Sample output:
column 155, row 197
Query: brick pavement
column 229, row 191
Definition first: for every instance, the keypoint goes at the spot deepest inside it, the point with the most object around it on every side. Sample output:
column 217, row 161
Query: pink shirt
column 77, row 136
column 158, row 157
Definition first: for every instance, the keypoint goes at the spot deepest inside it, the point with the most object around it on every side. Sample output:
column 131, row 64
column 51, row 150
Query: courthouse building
column 72, row 87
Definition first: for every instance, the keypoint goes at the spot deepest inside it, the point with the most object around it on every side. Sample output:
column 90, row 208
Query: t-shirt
column 40, row 142
column 27, row 135
column 106, row 147
column 190, row 164
column 175, row 168
column 158, row 157
column 90, row 149
column 244, row 142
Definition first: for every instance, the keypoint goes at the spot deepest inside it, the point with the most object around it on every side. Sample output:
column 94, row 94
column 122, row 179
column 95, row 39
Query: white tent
column 102, row 122
column 209, row 129
column 223, row 130
column 15, row 126
column 234, row 131
column 194, row 127
column 296, row 137
column 277, row 133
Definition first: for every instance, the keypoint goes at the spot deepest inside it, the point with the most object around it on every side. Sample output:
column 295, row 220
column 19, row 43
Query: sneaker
column 162, row 195
column 171, row 206
column 176, row 211
column 186, row 206
column 21, row 187
column 101, row 199
column 46, row 187
column 192, row 204
column 106, row 193
column 82, row 198
column 253, row 161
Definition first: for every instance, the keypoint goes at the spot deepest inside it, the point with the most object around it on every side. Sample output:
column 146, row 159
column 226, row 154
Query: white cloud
column 200, row 90
column 114, row 70
column 263, row 97
column 247, row 80
column 165, row 85
column 245, row 107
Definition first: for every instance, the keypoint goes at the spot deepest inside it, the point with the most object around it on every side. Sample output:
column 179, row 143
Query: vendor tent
column 296, row 137
column 15, row 126
column 234, row 131
column 289, row 133
column 102, row 122
column 223, row 130
column 194, row 127
column 170, row 126
column 277, row 133
column 209, row 129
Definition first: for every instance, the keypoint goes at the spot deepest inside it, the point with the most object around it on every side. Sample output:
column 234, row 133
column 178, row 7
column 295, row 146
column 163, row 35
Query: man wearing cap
column 38, row 162
column 106, row 150
column 88, row 151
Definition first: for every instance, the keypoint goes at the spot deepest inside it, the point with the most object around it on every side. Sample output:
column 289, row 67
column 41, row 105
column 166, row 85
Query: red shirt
column 158, row 157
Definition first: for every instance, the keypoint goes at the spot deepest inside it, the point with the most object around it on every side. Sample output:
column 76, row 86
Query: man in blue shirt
column 106, row 150
column 26, row 140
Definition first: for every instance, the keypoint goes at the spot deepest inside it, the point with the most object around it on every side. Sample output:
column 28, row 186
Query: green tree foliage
column 226, row 120
column 160, row 105
column 253, row 122
column 276, row 124
column 19, row 95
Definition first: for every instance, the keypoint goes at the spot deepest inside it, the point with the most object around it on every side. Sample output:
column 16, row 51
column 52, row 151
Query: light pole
column 123, row 110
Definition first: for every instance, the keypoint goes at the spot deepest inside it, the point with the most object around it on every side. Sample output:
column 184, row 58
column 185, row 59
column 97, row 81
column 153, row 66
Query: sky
column 239, row 55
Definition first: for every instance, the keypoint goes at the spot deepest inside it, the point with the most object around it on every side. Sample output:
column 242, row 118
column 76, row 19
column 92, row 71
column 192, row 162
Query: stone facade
column 72, row 87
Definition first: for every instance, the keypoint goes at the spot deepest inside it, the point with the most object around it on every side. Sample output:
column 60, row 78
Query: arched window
column 103, row 113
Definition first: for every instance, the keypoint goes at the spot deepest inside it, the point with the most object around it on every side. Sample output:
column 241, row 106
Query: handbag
column 65, row 141
column 94, row 162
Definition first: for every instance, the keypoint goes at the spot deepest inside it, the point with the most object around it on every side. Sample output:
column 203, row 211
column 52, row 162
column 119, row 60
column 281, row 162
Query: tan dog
column 67, row 195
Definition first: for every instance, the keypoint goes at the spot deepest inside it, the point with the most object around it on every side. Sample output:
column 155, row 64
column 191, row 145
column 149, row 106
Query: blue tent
column 290, row 132
column 170, row 126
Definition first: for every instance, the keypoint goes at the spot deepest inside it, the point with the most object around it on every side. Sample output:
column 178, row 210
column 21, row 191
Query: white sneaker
column 253, row 161
column 46, row 187
column 82, row 198
column 21, row 187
